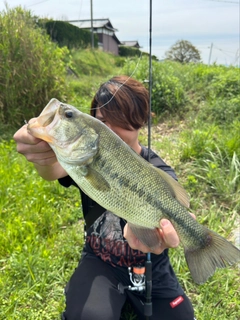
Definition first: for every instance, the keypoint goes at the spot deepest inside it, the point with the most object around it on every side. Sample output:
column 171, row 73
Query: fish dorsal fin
column 176, row 190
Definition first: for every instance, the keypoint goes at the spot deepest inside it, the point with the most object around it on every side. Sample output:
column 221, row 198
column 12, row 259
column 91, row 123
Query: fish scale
column 121, row 181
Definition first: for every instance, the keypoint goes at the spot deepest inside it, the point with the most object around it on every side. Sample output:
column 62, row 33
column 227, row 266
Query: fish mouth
column 47, row 119
column 68, row 145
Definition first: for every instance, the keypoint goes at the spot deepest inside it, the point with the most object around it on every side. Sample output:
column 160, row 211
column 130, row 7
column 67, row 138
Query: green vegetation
column 66, row 34
column 196, row 130
column 126, row 51
column 90, row 69
column 32, row 68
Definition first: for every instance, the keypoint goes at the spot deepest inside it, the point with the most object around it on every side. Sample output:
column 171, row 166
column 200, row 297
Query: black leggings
column 92, row 294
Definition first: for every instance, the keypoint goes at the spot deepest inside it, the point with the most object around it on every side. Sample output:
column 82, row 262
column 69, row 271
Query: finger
column 32, row 147
column 130, row 237
column 193, row 215
column 41, row 158
column 133, row 241
column 23, row 136
column 32, row 120
column 136, row 244
column 169, row 234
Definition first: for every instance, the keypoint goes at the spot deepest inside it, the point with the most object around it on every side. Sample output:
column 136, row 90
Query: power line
column 224, row 1
column 31, row 5
column 223, row 50
column 80, row 10
column 234, row 57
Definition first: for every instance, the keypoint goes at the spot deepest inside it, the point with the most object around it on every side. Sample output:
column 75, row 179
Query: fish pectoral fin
column 176, row 190
column 97, row 180
column 149, row 237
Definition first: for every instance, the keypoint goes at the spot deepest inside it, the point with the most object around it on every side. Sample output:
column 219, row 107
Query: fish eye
column 68, row 114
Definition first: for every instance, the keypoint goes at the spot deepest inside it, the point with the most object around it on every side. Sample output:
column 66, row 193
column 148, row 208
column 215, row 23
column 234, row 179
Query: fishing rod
column 140, row 275
column 148, row 263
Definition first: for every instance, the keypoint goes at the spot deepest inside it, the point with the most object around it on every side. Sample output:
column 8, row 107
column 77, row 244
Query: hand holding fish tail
column 168, row 238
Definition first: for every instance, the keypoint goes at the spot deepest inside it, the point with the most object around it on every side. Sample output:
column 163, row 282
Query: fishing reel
column 141, row 279
column 137, row 278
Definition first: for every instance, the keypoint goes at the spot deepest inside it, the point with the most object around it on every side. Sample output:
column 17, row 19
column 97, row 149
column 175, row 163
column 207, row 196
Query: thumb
column 169, row 234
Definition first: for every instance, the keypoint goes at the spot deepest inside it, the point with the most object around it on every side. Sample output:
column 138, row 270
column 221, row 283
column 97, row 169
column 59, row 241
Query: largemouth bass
column 121, row 181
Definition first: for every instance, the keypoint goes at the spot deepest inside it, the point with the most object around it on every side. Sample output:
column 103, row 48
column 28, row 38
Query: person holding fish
column 111, row 246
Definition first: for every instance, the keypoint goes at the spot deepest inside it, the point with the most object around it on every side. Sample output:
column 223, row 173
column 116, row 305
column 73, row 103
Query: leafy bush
column 211, row 82
column 125, row 51
column 168, row 93
column 221, row 111
column 66, row 34
column 225, row 83
column 167, row 90
column 32, row 68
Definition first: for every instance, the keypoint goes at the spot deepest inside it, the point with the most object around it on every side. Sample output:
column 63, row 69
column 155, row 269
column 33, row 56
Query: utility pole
column 237, row 58
column 92, row 35
column 210, row 54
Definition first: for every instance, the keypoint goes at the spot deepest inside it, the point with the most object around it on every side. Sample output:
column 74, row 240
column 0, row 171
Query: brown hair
column 125, row 102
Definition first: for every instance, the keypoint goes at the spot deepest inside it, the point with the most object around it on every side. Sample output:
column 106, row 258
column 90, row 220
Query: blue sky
column 202, row 22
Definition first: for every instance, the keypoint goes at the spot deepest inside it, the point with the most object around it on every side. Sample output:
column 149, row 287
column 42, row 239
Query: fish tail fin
column 217, row 253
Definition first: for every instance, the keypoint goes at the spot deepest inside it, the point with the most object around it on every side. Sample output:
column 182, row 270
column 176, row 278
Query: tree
column 184, row 52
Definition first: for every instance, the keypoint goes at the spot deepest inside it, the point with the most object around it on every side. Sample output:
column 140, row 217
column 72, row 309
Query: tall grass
column 32, row 68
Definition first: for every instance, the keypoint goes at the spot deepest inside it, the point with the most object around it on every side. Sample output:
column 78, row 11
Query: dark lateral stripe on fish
column 127, row 183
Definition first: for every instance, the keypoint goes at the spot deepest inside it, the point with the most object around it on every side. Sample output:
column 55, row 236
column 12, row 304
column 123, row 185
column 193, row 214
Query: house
column 107, row 39
column 133, row 44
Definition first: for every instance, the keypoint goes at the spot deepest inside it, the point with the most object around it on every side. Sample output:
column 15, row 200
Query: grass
column 91, row 69
column 41, row 236
column 40, row 239
column 41, row 225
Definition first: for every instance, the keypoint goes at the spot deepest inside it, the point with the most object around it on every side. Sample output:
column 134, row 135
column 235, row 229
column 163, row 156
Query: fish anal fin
column 217, row 253
column 176, row 190
column 149, row 237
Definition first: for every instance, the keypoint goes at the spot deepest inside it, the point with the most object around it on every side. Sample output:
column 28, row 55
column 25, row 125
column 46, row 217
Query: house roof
column 116, row 39
column 97, row 23
column 133, row 43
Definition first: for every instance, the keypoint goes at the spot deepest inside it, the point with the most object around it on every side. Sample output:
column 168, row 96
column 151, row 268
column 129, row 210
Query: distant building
column 133, row 44
column 107, row 39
